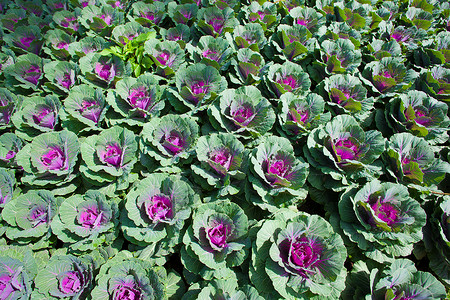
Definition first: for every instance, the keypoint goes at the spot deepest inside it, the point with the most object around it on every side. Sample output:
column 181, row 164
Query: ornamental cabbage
column 57, row 43
column 37, row 115
column 49, row 160
column 61, row 76
column 223, row 163
column 348, row 95
column 215, row 21
column 436, row 82
column 103, row 70
column 108, row 159
column 215, row 52
column 278, row 176
column 294, row 43
column 340, row 56
column 25, row 39
column 29, row 217
column 157, row 208
column 68, row 20
column 126, row 278
column 298, row 256
column 65, row 277
column 288, row 77
column 412, row 161
column 170, row 139
column 196, row 85
column 419, row 114
column 299, row 115
column 86, row 222
column 148, row 14
column 10, row 144
column 137, row 99
column 309, row 18
column 389, row 75
column 180, row 34
column 264, row 14
column 249, row 67
column 87, row 45
column 8, row 104
column 102, row 19
column 123, row 34
column 26, row 73
column 85, row 107
column 382, row 219
column 216, row 241
column 243, row 111
column 182, row 13
column 167, row 56
column 249, row 36
column 403, row 281
column 343, row 152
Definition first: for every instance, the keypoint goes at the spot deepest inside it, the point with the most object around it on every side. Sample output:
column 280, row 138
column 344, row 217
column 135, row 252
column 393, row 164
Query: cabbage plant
column 57, row 43
column 344, row 152
column 411, row 160
column 29, row 217
column 180, row 34
column 215, row 21
column 249, row 67
column 216, row 241
column 68, row 20
column 341, row 56
column 249, row 36
column 37, row 115
column 196, row 85
column 25, row 39
column 436, row 83
column 170, row 139
column 278, row 176
column 87, row 45
column 243, row 111
column 288, row 77
column 299, row 115
column 62, row 76
column 125, row 33
column 308, row 17
column 85, row 108
column 17, row 270
column 137, row 99
column 8, row 104
column 93, row 222
column 264, row 14
column 101, row 20
column 124, row 277
column 223, row 163
column 103, row 70
column 419, row 114
column 389, row 75
column 297, row 256
column 167, row 56
column 347, row 94
column 108, row 159
column 403, row 280
column 212, row 51
column 26, row 73
column 65, row 277
column 49, row 160
column 294, row 43
column 157, row 208
column 148, row 14
column 182, row 13
column 10, row 144
column 382, row 219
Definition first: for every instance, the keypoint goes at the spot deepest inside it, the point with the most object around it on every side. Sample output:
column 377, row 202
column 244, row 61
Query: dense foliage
column 224, row 149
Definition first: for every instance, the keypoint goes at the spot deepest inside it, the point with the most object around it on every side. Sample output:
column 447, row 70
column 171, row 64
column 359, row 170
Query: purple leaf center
column 199, row 87
column 304, row 253
column 289, row 81
column 302, row 22
column 127, row 290
column 299, row 115
column 218, row 235
column 106, row 18
column 112, row 155
column 54, row 159
column 346, row 149
column 163, row 57
column 222, row 157
column 90, row 109
column 386, row 212
column 44, row 117
column 9, row 285
column 173, row 142
column 70, row 283
column 38, row 215
column 243, row 115
column 33, row 74
column 91, row 217
column 65, row 80
column 105, row 71
column 211, row 54
column 148, row 15
column 26, row 41
column 278, row 167
column 140, row 98
column 217, row 24
column 62, row 45
column 159, row 208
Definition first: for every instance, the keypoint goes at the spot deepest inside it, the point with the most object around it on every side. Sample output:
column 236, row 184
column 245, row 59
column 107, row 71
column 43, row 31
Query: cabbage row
column 224, row 149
